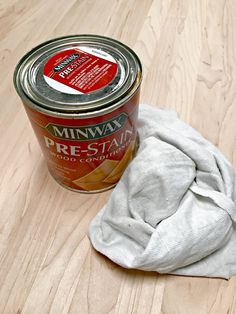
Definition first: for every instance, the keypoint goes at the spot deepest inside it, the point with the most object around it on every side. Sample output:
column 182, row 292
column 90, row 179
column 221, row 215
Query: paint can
column 81, row 94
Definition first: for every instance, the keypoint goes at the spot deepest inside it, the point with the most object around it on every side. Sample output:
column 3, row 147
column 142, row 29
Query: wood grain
column 188, row 51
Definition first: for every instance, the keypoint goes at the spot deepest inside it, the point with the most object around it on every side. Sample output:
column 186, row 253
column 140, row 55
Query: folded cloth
column 174, row 209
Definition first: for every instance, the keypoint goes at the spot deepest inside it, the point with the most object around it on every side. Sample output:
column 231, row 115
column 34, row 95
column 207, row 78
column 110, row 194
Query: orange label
column 90, row 153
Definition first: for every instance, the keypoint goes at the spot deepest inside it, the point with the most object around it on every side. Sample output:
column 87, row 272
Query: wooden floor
column 188, row 51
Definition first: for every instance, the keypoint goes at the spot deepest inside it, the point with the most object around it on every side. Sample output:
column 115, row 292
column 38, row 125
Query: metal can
column 81, row 94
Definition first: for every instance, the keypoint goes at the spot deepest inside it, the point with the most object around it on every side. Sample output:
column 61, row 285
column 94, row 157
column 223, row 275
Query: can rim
column 104, row 107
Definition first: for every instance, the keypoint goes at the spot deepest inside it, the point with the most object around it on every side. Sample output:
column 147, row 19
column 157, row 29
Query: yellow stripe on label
column 117, row 172
column 93, row 180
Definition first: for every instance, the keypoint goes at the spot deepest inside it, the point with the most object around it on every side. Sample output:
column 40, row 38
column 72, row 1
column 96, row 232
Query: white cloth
column 174, row 209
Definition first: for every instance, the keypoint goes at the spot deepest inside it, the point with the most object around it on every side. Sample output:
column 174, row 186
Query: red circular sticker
column 80, row 70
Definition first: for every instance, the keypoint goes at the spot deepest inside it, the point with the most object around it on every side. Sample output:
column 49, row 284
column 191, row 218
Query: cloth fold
column 174, row 209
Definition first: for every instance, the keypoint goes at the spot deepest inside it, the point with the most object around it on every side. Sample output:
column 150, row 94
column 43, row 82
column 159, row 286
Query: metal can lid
column 77, row 74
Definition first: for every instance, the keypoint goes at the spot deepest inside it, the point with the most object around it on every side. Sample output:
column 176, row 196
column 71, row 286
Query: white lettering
column 62, row 74
column 72, row 133
column 80, row 132
column 93, row 149
column 116, row 123
column 128, row 134
column 97, row 129
column 109, row 129
column 113, row 143
column 75, row 150
column 64, row 133
column 104, row 146
column 61, row 148
column 48, row 142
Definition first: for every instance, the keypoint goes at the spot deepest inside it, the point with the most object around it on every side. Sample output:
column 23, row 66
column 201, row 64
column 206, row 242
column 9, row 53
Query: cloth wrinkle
column 174, row 209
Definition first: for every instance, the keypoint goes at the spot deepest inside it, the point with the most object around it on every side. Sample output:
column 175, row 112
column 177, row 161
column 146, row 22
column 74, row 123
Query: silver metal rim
column 94, row 108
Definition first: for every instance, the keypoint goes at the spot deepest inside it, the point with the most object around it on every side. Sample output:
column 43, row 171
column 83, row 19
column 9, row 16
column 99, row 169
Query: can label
column 88, row 153
column 80, row 70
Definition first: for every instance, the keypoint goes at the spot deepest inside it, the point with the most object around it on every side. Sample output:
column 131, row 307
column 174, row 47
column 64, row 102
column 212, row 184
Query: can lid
column 78, row 73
